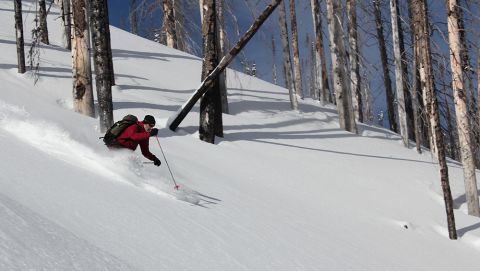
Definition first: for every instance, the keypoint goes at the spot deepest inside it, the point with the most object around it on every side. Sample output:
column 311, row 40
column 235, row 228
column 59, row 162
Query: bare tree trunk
column 170, row 24
column 368, row 100
column 469, row 87
column 102, row 63
column 325, row 76
column 478, row 88
column 427, row 128
column 423, row 40
column 19, row 35
column 66, row 24
column 43, row 21
column 423, row 126
column 296, row 53
column 450, row 126
column 133, row 17
column 222, row 40
column 210, row 105
column 314, row 77
column 399, row 71
column 317, row 68
column 339, row 65
column 386, row 73
column 354, row 61
column 82, row 74
column 274, row 63
column 415, row 103
column 287, row 58
column 321, row 87
column 109, row 44
column 477, row 123
column 406, row 86
column 200, row 2
column 227, row 59
column 179, row 15
column 416, row 89
column 460, row 98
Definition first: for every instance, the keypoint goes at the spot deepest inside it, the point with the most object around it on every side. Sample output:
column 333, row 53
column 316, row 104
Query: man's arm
column 145, row 150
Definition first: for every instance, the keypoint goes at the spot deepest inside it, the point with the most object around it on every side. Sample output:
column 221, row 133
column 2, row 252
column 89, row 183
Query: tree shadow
column 460, row 200
column 42, row 46
column 122, row 53
column 49, row 72
column 10, row 66
column 281, row 124
column 130, row 105
column 237, row 107
column 29, row 11
column 132, row 87
column 248, row 135
column 260, row 91
column 343, row 153
column 384, row 132
column 10, row 41
column 240, row 95
column 461, row 232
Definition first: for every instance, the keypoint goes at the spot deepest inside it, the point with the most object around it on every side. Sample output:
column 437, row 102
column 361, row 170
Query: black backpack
column 110, row 137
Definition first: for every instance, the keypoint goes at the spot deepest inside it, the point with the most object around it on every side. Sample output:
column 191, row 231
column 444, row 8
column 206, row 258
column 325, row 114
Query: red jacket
column 135, row 135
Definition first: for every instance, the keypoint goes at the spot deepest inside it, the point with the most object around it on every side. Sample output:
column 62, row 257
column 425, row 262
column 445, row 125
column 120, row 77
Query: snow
column 283, row 190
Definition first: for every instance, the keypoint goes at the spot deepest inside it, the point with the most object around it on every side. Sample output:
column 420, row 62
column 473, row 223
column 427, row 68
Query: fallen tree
column 176, row 119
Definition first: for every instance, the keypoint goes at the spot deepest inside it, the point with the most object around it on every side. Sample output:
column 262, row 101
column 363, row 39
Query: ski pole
column 171, row 174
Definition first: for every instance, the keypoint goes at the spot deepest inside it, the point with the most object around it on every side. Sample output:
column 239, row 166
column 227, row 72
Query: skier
column 138, row 134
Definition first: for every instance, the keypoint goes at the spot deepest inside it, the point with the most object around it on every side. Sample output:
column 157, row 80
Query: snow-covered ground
column 283, row 190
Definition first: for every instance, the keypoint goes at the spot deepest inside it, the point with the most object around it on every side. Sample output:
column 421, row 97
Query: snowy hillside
column 283, row 190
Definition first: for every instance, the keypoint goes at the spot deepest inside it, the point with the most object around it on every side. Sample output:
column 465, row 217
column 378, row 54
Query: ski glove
column 154, row 132
column 157, row 162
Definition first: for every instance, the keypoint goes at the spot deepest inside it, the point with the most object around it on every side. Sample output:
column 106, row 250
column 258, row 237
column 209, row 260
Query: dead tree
column 321, row 81
column 469, row 84
column 19, row 35
column 415, row 90
column 180, row 24
column 66, row 24
column 101, row 60
column 106, row 21
column 200, row 2
column 354, row 61
column 210, row 104
column 227, row 59
column 339, row 66
column 461, row 109
column 221, row 46
column 386, row 71
column 287, row 57
column 81, row 68
column 133, row 17
column 478, row 91
column 450, row 126
column 297, row 72
column 43, row 21
column 274, row 63
column 169, row 22
column 399, row 72
column 422, row 38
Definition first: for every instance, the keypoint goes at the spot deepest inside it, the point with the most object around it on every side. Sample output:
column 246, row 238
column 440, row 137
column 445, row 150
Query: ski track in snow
column 123, row 166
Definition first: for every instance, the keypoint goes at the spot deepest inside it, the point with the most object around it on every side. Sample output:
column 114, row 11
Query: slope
column 282, row 191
